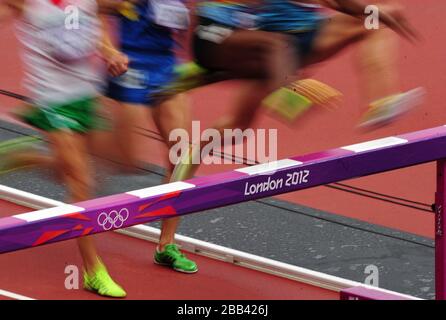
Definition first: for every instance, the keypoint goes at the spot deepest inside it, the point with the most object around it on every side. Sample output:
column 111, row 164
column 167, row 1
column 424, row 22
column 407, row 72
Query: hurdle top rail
column 296, row 173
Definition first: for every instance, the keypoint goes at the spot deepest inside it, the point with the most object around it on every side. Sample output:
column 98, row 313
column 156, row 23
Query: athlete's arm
column 109, row 6
column 10, row 9
column 117, row 62
column 114, row 7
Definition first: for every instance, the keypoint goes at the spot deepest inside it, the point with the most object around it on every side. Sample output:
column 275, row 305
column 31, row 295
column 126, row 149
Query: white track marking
column 19, row 195
column 13, row 295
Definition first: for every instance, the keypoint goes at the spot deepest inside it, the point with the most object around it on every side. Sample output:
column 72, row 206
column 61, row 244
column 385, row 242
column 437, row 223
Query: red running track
column 420, row 65
column 39, row 273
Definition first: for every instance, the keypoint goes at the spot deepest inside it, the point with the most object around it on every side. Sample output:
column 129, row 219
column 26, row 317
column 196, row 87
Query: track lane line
column 14, row 296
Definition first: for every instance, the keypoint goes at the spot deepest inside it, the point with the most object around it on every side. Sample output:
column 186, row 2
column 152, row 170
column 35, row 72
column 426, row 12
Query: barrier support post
column 440, row 227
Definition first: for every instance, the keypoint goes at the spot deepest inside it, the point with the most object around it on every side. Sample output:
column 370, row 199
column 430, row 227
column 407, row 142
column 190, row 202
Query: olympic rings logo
column 113, row 219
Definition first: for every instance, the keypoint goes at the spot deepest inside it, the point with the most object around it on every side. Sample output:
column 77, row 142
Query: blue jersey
column 149, row 43
column 236, row 14
column 289, row 16
column 143, row 35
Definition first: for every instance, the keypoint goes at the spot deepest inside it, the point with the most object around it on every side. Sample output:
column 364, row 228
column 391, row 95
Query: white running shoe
column 388, row 109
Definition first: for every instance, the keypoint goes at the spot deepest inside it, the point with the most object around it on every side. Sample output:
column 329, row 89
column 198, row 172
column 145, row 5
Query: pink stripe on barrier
column 11, row 221
column 100, row 202
column 423, row 134
column 225, row 176
column 328, row 154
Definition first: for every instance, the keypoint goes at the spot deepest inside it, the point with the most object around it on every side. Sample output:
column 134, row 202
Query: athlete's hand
column 117, row 62
column 395, row 19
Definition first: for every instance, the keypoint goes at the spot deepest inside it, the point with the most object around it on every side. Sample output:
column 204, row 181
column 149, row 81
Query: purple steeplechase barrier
column 440, row 245
column 179, row 198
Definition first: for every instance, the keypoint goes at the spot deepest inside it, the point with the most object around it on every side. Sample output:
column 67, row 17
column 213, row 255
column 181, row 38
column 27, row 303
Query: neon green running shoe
column 294, row 100
column 189, row 70
column 287, row 103
column 188, row 76
column 172, row 257
column 101, row 283
column 10, row 147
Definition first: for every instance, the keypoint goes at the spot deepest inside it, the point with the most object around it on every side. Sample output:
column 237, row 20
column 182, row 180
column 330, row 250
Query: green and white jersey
column 59, row 44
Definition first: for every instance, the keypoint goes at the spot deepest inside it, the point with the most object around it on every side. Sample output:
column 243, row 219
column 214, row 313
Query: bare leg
column 171, row 114
column 118, row 144
column 376, row 54
column 377, row 63
column 70, row 150
column 265, row 61
column 125, row 117
column 71, row 154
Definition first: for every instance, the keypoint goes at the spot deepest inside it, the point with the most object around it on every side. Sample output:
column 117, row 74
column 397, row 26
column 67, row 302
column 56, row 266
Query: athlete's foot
column 292, row 101
column 390, row 108
column 189, row 76
column 287, row 104
column 101, row 283
column 172, row 257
